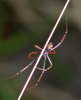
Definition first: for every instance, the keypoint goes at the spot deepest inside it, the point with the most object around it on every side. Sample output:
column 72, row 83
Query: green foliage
column 13, row 44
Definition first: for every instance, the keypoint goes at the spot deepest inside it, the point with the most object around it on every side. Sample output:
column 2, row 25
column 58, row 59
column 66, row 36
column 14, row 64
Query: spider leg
column 49, row 62
column 32, row 53
column 64, row 36
column 22, row 70
column 46, row 69
column 42, row 69
column 36, row 46
column 41, row 75
column 39, row 78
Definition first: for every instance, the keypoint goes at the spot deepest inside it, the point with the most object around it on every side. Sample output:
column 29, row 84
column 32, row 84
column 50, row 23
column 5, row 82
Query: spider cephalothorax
column 50, row 46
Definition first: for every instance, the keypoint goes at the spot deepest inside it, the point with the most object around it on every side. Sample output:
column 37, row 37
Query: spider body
column 47, row 51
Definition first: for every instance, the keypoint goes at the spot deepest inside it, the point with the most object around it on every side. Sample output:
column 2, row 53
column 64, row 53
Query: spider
column 49, row 50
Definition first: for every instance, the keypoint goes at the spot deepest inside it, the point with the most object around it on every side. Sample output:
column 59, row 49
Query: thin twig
column 48, row 40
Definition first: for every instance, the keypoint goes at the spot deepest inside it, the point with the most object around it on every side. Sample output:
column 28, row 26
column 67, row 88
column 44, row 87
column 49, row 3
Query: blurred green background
column 24, row 23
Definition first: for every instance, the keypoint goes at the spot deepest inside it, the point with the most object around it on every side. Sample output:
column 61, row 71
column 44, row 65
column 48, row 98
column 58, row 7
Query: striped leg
column 46, row 69
column 22, row 70
column 64, row 36
column 42, row 73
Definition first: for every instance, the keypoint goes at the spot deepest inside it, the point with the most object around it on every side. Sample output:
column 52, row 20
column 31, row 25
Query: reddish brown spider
column 49, row 50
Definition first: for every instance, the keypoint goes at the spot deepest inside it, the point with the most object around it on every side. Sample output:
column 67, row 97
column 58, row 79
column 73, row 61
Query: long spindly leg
column 46, row 69
column 49, row 62
column 42, row 73
column 22, row 70
column 32, row 53
column 64, row 36
column 36, row 46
